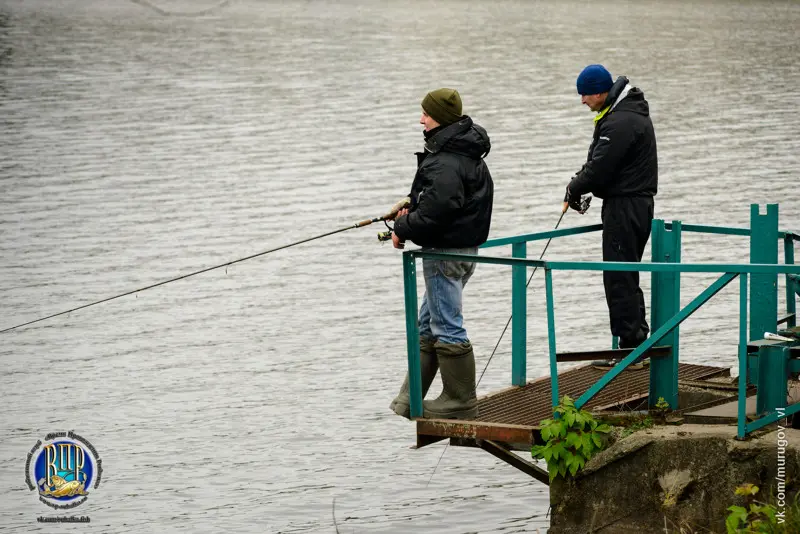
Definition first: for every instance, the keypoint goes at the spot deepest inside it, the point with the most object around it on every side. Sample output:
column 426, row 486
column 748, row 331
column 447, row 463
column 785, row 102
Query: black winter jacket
column 452, row 192
column 622, row 159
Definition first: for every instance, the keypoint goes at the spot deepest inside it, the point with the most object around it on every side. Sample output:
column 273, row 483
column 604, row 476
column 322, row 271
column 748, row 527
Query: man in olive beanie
column 443, row 106
column 450, row 212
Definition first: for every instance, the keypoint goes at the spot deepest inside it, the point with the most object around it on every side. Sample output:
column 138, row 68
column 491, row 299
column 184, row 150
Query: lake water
column 138, row 146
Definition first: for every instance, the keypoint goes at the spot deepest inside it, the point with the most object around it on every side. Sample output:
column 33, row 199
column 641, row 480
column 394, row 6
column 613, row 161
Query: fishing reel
column 581, row 205
column 386, row 235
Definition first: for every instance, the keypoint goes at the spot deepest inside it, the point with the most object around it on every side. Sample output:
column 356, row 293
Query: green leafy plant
column 758, row 517
column 661, row 409
column 571, row 438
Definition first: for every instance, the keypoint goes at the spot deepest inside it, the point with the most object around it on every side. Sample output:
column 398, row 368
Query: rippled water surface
column 138, row 146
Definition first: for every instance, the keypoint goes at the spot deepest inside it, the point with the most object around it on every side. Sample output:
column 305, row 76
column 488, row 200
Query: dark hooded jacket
column 451, row 197
column 622, row 159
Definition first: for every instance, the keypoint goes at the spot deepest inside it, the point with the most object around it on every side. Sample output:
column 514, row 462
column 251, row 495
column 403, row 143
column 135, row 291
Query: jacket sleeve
column 613, row 141
column 436, row 206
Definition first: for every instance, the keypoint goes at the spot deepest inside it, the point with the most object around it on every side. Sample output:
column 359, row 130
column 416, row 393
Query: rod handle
column 397, row 207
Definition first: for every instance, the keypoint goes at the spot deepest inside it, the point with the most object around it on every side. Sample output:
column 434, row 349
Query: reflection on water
column 137, row 147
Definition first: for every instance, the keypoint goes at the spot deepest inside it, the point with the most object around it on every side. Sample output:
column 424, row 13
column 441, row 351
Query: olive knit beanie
column 443, row 105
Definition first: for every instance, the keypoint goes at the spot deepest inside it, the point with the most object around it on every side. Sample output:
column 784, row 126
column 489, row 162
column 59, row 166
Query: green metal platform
column 508, row 420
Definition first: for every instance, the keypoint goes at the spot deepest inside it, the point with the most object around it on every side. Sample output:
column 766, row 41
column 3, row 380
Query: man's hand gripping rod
column 387, row 235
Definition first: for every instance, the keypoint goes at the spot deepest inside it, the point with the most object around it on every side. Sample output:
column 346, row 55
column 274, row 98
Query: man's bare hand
column 397, row 242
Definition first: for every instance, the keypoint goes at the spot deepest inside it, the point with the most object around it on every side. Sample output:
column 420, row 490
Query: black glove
column 579, row 204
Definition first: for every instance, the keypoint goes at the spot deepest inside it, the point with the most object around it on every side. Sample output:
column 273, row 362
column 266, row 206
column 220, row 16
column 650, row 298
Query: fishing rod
column 581, row 207
column 389, row 216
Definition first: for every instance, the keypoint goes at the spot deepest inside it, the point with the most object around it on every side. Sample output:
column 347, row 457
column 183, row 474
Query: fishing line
column 359, row 224
column 563, row 211
column 145, row 3
column 333, row 513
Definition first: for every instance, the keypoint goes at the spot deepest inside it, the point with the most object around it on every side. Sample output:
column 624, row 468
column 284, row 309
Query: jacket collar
column 436, row 142
column 618, row 92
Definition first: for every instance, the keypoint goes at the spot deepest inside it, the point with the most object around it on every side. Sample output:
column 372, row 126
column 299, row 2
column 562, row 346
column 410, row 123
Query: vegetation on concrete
column 662, row 407
column 760, row 517
column 571, row 438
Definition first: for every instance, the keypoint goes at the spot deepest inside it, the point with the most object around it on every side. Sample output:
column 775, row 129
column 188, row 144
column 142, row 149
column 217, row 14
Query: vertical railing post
column 788, row 259
column 742, row 406
column 412, row 333
column 519, row 312
column 665, row 302
column 551, row 335
column 763, row 287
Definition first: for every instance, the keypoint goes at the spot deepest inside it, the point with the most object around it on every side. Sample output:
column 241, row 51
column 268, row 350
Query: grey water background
column 136, row 147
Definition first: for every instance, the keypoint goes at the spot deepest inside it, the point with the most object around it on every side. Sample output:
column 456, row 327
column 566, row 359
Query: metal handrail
column 728, row 272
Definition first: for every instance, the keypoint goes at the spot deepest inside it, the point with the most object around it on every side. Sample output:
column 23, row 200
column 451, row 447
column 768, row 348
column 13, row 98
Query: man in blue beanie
column 622, row 169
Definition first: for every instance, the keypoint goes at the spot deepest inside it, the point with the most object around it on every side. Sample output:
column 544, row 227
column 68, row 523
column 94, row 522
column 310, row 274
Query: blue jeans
column 440, row 314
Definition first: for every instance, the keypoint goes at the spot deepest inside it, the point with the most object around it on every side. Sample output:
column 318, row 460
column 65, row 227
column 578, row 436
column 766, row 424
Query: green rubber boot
column 457, row 401
column 428, row 366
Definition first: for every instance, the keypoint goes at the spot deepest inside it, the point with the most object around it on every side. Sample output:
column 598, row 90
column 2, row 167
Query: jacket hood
column 624, row 97
column 463, row 137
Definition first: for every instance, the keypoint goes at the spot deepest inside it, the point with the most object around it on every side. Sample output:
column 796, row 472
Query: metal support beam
column 499, row 451
column 424, row 440
column 618, row 354
column 772, row 418
column 665, row 301
column 412, row 334
column 743, row 363
column 763, row 287
column 538, row 236
column 451, row 428
column 519, row 313
column 551, row 335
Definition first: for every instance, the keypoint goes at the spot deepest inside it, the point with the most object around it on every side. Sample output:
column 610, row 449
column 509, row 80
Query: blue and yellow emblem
column 65, row 467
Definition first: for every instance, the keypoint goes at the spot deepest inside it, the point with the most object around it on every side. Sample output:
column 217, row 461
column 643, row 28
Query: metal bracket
column 498, row 450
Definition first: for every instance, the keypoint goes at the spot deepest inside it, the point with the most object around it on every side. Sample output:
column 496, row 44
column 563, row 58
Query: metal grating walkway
column 531, row 403
column 513, row 414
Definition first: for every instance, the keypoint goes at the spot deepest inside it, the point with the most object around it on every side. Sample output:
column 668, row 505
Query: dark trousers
column 626, row 229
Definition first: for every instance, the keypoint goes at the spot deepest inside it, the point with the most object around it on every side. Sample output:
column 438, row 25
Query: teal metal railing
column 666, row 314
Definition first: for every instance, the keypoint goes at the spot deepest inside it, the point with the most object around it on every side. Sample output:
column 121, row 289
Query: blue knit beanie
column 593, row 80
